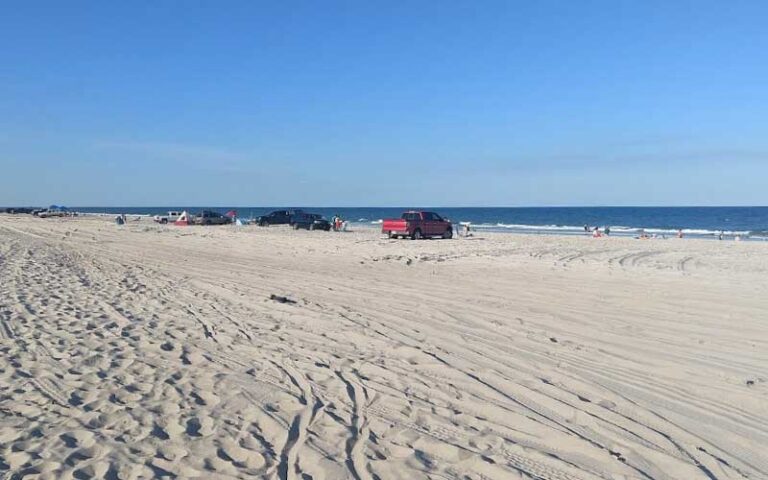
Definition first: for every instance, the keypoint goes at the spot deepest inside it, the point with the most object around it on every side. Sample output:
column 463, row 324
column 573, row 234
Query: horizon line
column 398, row 206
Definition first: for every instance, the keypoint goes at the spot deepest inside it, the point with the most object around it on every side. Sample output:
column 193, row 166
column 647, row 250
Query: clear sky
column 384, row 103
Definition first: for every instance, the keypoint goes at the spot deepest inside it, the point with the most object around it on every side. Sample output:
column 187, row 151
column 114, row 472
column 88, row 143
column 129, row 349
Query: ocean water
column 751, row 222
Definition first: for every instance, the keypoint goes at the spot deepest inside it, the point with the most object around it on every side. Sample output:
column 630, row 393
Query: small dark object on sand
column 281, row 299
column 750, row 383
column 553, row 339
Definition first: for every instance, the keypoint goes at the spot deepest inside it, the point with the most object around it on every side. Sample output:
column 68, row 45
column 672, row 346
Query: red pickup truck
column 417, row 225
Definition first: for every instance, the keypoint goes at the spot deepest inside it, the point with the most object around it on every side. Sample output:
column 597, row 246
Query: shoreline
column 543, row 230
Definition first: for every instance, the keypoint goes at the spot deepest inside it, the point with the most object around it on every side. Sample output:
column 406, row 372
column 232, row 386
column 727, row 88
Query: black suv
column 310, row 221
column 278, row 217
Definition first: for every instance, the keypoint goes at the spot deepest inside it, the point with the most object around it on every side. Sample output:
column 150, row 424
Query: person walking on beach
column 607, row 230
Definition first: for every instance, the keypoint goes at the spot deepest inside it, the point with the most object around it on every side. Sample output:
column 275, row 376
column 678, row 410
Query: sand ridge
column 156, row 351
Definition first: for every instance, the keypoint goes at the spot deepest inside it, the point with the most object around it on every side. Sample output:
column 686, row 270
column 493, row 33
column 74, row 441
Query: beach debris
column 281, row 299
column 409, row 261
column 553, row 339
column 617, row 455
column 750, row 383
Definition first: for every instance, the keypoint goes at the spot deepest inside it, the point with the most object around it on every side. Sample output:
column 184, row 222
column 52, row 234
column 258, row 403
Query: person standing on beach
column 607, row 230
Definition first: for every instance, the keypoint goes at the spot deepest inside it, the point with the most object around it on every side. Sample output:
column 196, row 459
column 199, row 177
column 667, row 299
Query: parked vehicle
column 17, row 210
column 310, row 221
column 55, row 212
column 170, row 217
column 278, row 217
column 209, row 217
column 418, row 225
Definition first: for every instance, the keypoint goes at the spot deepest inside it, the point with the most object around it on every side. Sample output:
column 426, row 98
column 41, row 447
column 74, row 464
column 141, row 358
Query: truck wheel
column 295, row 226
column 448, row 234
column 164, row 221
column 391, row 235
column 416, row 235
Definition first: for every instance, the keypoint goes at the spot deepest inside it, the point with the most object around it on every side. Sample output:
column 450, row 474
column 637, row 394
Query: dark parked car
column 310, row 221
column 209, row 217
column 16, row 210
column 278, row 217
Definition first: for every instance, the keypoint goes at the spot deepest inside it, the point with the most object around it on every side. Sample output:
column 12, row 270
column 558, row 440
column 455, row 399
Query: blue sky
column 384, row 103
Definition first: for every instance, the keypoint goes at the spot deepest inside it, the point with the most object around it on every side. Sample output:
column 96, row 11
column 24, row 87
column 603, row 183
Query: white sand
column 149, row 350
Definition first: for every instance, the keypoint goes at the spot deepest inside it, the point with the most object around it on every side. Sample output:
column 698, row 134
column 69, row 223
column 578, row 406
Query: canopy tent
column 183, row 219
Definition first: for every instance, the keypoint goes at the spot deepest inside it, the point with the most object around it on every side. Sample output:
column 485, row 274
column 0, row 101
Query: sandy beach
column 150, row 351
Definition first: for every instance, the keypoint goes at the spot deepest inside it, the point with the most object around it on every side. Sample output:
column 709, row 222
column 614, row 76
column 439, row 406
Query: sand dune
column 157, row 351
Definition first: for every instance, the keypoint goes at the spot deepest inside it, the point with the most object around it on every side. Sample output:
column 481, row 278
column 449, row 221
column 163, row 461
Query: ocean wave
column 614, row 229
column 696, row 231
column 514, row 226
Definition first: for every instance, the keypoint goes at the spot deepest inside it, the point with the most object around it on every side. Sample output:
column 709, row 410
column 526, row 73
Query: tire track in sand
column 288, row 468
column 359, row 429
